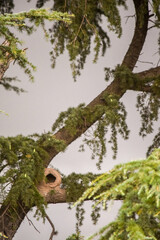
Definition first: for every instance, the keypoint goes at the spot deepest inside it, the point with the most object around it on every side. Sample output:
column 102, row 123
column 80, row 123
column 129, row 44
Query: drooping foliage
column 7, row 83
column 112, row 120
column 11, row 49
column 22, row 168
column 87, row 28
column 137, row 184
column 90, row 29
column 112, row 115
column 6, row 6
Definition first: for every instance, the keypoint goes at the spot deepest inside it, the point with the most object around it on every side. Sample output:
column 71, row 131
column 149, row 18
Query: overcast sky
column 54, row 91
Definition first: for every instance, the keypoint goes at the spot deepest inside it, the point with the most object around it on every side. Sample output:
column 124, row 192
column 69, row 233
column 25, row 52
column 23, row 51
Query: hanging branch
column 53, row 228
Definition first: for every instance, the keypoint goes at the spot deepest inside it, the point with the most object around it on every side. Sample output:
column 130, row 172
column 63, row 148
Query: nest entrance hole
column 50, row 178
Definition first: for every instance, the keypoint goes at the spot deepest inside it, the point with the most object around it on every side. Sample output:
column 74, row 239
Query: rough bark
column 130, row 59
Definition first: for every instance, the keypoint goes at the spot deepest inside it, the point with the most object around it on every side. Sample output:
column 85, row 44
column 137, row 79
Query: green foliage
column 75, row 237
column 87, row 24
column 73, row 119
column 21, row 168
column 155, row 143
column 76, row 184
column 6, row 83
column 48, row 141
column 26, row 22
column 137, row 185
column 112, row 120
column 156, row 10
column 6, row 6
column 22, row 162
column 148, row 105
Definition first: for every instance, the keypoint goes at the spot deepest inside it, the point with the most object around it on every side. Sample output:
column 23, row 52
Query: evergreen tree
column 23, row 159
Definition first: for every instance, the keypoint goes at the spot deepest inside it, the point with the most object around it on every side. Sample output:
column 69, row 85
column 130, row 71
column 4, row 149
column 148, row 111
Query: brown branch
column 29, row 220
column 75, row 38
column 139, row 36
column 53, row 228
column 150, row 73
column 131, row 16
column 114, row 88
column 145, row 62
column 143, row 87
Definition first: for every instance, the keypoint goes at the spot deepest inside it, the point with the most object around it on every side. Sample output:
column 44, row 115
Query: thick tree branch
column 142, row 17
column 115, row 87
column 150, row 73
column 143, row 87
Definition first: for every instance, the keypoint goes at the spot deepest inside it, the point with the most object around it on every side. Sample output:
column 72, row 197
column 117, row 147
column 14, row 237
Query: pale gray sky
column 54, row 91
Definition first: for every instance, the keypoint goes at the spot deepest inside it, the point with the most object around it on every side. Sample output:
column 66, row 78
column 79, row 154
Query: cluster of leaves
column 26, row 22
column 113, row 119
column 22, row 168
column 148, row 104
column 77, row 38
column 155, row 143
column 6, row 6
column 47, row 141
column 73, row 119
column 113, row 122
column 137, row 184
column 75, row 185
column 75, row 237
column 6, row 82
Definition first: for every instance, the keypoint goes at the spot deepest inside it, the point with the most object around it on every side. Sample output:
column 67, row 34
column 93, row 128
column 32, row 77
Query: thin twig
column 53, row 228
column 158, row 62
column 153, row 26
column 17, row 213
column 145, row 62
column 131, row 16
column 29, row 220
column 4, row 211
column 78, row 30
column 91, row 25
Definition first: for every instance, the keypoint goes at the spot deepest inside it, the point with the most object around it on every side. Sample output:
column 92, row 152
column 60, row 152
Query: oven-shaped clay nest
column 51, row 181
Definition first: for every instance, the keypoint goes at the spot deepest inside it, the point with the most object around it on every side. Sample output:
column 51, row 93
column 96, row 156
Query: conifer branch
column 114, row 88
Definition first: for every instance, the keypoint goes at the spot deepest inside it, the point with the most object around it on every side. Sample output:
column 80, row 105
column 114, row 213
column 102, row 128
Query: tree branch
column 53, row 228
column 134, row 50
column 143, row 87
column 115, row 87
